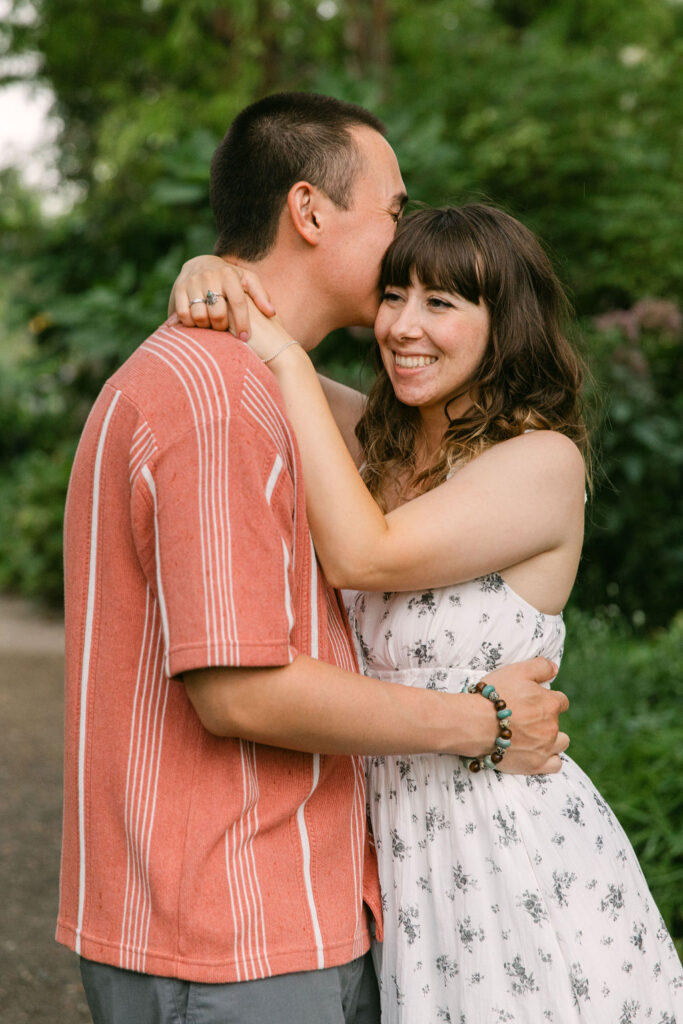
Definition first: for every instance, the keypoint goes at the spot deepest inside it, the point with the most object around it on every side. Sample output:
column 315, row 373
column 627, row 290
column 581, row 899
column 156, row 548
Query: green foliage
column 572, row 133
column 31, row 523
column 633, row 555
column 625, row 733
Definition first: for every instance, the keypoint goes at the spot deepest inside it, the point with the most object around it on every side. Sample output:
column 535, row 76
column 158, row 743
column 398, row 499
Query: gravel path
column 39, row 980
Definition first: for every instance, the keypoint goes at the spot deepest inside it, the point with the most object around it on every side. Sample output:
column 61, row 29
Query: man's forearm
column 313, row 706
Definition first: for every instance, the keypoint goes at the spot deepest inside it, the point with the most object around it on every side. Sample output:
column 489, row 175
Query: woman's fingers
column 212, row 293
column 180, row 305
column 252, row 285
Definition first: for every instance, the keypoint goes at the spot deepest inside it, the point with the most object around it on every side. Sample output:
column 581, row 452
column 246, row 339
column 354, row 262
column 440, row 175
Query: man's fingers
column 541, row 670
column 561, row 743
column 562, row 701
column 552, row 766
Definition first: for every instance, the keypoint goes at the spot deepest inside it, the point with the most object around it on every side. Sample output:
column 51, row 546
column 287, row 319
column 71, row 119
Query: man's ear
column 305, row 205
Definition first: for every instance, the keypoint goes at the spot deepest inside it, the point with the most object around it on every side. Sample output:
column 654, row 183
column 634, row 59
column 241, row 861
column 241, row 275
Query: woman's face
column 432, row 343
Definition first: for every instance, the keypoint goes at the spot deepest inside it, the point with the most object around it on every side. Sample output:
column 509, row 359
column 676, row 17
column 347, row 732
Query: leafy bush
column 625, row 733
column 31, row 523
column 633, row 555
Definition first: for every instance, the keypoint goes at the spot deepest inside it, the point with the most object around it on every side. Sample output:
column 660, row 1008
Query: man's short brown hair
column 272, row 144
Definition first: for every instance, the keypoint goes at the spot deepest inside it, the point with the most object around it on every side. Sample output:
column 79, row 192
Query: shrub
column 633, row 554
column 626, row 734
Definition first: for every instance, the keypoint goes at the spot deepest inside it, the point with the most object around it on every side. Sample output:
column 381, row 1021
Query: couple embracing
column 253, row 626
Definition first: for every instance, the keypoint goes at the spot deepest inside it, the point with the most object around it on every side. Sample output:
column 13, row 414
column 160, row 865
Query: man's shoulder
column 181, row 377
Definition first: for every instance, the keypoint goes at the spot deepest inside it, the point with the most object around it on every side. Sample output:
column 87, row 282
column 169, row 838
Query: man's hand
column 536, row 739
column 232, row 284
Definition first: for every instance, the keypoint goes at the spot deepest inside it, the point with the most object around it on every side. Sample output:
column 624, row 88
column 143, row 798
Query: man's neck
column 301, row 310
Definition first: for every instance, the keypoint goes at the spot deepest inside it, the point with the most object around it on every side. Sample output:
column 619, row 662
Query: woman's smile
column 412, row 362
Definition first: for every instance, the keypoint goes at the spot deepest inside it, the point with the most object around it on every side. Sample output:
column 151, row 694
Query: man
column 214, row 864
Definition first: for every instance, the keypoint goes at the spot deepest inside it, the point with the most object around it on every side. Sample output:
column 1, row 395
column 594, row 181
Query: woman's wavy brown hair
column 529, row 378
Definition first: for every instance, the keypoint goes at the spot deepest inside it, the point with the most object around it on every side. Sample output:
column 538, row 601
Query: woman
column 506, row 898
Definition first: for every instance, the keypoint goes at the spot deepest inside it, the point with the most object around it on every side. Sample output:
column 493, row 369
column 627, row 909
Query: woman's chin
column 411, row 395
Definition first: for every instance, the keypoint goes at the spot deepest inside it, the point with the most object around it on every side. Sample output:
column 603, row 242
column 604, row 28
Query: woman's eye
column 389, row 296
column 438, row 303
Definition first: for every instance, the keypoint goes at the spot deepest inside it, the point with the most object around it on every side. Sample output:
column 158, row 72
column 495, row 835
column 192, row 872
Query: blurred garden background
column 568, row 113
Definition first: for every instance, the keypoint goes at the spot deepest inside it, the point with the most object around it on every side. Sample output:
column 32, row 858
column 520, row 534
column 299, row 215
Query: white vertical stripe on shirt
column 160, row 354
column 140, row 894
column 85, row 668
column 216, row 376
column 262, row 407
column 258, row 899
column 217, row 402
column 140, row 453
column 164, row 685
column 314, row 602
column 139, row 730
column 339, row 640
column 273, row 478
column 144, row 656
column 229, row 868
column 247, row 947
column 188, row 365
column 234, row 875
column 358, row 827
column 260, row 404
column 248, row 879
column 306, row 850
column 160, row 586
column 288, row 596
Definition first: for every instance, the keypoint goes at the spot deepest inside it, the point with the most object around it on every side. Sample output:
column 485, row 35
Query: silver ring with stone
column 192, row 301
column 213, row 297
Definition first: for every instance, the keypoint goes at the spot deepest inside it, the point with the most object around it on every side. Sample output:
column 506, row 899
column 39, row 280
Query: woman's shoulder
column 549, row 444
column 544, row 447
column 545, row 458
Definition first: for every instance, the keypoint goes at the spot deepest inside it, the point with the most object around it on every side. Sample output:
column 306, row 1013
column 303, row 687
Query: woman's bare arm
column 519, row 499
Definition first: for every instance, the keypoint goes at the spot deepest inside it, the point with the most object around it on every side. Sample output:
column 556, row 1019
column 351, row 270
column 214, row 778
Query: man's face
column 360, row 236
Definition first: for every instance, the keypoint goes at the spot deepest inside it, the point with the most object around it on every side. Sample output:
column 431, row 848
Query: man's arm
column 313, row 706
column 347, row 406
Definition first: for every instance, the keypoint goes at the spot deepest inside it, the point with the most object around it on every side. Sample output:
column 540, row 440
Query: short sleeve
column 213, row 519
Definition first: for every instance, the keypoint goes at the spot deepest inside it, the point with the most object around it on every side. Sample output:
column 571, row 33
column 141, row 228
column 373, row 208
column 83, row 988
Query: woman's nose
column 407, row 323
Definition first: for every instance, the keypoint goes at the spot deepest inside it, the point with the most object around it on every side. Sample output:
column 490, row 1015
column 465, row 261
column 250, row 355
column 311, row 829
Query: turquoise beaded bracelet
column 504, row 738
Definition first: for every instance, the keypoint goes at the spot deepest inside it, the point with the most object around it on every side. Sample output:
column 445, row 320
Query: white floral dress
column 507, row 899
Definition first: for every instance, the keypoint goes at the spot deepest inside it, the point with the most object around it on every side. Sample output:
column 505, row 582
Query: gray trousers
column 334, row 995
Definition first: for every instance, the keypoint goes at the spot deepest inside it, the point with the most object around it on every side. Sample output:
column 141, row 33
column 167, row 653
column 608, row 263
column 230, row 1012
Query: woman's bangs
column 429, row 248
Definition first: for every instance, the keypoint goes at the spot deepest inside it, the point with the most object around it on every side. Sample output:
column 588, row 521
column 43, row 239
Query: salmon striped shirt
column 187, row 546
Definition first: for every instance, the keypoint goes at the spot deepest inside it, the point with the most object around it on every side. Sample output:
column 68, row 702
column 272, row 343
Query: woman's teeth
column 412, row 362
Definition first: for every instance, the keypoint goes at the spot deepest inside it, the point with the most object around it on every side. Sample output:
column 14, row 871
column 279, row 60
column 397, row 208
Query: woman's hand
column 268, row 336
column 232, row 284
